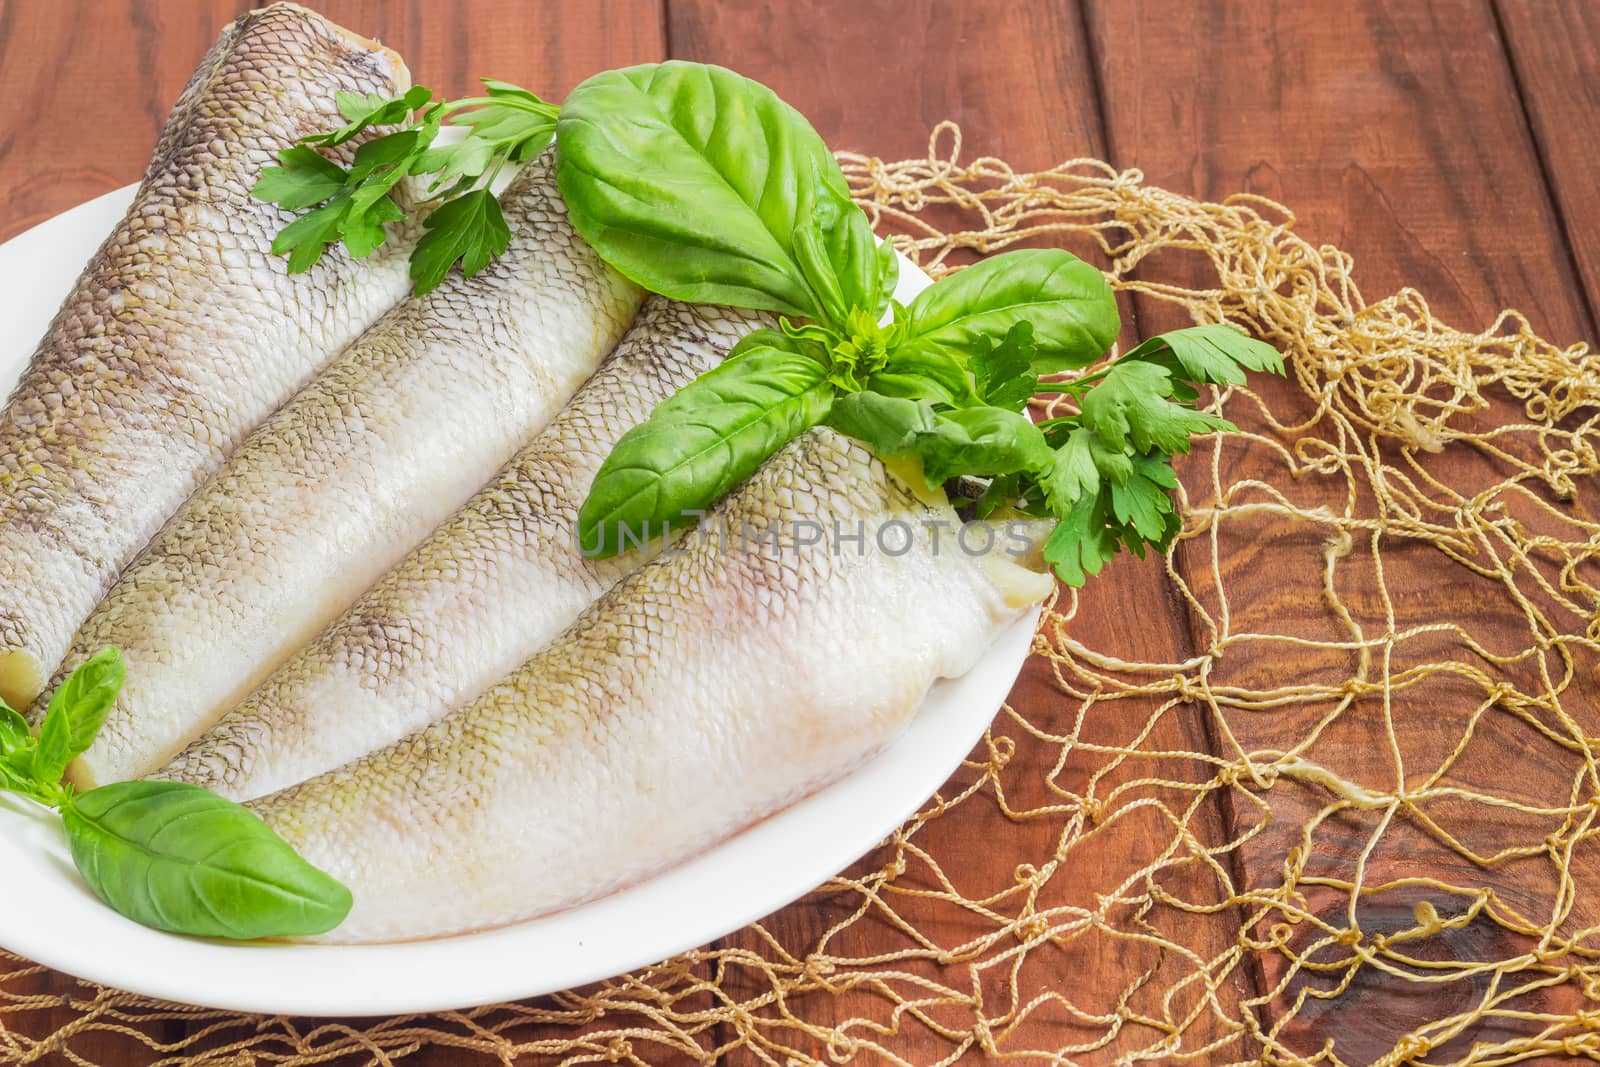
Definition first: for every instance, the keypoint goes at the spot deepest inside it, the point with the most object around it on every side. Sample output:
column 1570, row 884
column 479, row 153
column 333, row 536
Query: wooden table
column 1448, row 144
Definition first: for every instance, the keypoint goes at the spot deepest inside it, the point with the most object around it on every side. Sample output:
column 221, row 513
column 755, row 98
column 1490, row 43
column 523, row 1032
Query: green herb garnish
column 171, row 856
column 353, row 205
column 704, row 186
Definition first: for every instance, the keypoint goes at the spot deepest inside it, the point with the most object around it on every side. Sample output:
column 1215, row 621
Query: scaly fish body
column 339, row 484
column 182, row 333
column 710, row 688
column 487, row 590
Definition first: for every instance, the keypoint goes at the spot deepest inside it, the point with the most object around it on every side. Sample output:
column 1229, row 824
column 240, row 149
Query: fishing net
column 1317, row 788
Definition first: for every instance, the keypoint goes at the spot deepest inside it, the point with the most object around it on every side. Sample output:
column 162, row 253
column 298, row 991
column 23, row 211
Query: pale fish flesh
column 710, row 688
column 338, row 485
column 182, row 333
column 488, row 589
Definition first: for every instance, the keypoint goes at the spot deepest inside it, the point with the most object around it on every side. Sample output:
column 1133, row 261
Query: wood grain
column 1018, row 79
column 1393, row 130
column 84, row 90
column 1555, row 57
column 547, row 46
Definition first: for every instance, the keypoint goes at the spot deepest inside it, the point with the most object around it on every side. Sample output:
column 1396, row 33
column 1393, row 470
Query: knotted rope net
column 1319, row 788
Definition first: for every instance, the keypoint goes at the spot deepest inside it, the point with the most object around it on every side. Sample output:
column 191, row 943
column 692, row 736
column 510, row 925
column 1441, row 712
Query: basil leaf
column 15, row 781
column 17, row 746
column 689, row 179
column 14, row 733
column 888, row 275
column 924, row 374
column 177, row 857
column 982, row 441
column 834, row 245
column 977, row 440
column 77, row 710
column 1072, row 309
column 705, row 439
column 889, row 425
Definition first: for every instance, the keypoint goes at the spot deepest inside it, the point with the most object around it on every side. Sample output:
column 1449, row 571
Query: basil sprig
column 171, row 856
column 703, row 185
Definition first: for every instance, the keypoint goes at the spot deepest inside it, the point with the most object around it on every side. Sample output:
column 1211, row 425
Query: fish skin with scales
column 337, row 486
column 494, row 584
column 182, row 333
column 703, row 692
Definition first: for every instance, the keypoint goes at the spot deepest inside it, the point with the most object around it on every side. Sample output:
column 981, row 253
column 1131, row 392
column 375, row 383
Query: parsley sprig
column 1110, row 477
column 1104, row 472
column 353, row 205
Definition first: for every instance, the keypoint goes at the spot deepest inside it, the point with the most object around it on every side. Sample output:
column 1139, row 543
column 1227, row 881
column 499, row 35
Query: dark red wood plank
column 1555, row 56
column 547, row 46
column 84, row 90
column 1394, row 131
column 877, row 76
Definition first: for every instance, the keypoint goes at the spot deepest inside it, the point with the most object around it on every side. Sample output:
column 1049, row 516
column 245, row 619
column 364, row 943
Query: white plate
column 47, row 914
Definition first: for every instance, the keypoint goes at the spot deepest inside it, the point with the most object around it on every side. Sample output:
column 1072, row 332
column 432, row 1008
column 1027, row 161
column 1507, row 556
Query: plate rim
column 495, row 976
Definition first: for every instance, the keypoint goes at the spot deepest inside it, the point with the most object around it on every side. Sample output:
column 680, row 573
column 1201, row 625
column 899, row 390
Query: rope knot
column 1277, row 936
column 1034, row 928
column 841, row 1049
column 815, row 968
column 1428, row 920
column 1588, row 1018
column 1411, row 1047
column 618, row 1048
column 1092, row 808
column 1350, row 938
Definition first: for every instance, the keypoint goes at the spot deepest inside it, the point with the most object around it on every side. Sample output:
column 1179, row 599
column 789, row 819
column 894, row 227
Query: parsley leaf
column 307, row 237
column 365, row 110
column 354, row 206
column 1003, row 372
column 1142, row 501
column 1081, row 544
column 1215, row 354
column 469, row 228
column 305, row 178
column 1131, row 404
